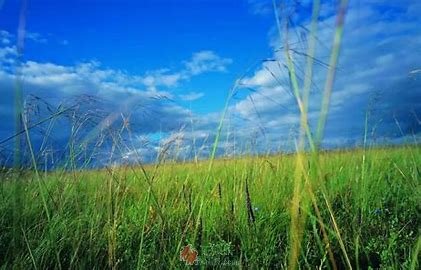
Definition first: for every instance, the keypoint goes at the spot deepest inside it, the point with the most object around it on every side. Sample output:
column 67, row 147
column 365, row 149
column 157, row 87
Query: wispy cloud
column 192, row 96
column 35, row 37
column 261, row 7
column 6, row 38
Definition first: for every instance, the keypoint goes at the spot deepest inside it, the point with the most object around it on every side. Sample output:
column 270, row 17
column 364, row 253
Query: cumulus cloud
column 145, row 100
column 206, row 61
column 374, row 75
column 200, row 62
column 5, row 37
column 377, row 77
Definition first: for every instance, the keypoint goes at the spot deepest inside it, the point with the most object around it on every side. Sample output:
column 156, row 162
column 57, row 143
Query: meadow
column 359, row 209
column 312, row 209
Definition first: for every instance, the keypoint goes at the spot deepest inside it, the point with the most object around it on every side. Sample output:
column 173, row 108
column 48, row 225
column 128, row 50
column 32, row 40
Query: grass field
column 358, row 208
column 314, row 209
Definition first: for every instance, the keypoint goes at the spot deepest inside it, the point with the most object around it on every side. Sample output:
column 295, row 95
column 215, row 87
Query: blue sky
column 168, row 66
column 142, row 36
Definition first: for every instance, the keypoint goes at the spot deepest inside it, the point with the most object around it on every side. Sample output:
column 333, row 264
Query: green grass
column 318, row 210
column 115, row 218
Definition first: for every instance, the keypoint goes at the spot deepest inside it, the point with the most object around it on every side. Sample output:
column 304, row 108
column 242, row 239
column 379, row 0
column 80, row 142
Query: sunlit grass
column 107, row 218
column 336, row 210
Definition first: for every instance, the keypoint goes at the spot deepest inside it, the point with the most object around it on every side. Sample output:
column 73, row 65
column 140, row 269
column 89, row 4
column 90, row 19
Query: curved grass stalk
column 330, row 79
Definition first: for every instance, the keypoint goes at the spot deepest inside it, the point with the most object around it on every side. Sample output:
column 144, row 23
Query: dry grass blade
column 249, row 206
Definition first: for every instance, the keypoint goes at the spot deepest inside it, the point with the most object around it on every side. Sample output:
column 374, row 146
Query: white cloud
column 140, row 97
column 378, row 54
column 379, row 44
column 201, row 62
column 206, row 61
column 163, row 77
column 264, row 100
column 261, row 7
column 35, row 37
column 192, row 96
column 265, row 77
column 7, row 54
column 5, row 37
